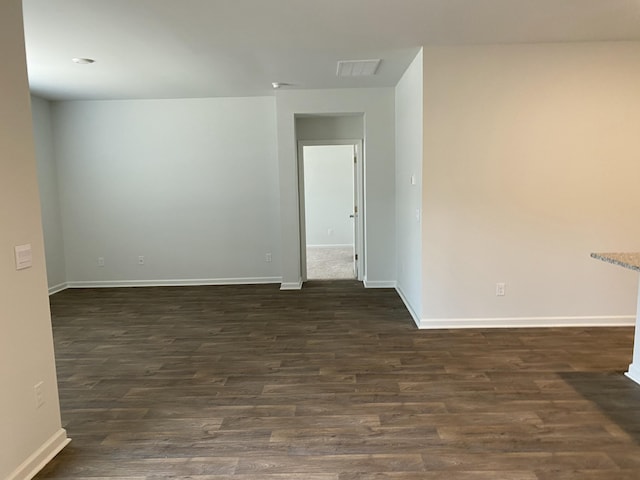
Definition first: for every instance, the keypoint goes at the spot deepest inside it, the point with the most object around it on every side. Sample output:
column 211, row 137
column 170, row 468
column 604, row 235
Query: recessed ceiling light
column 82, row 61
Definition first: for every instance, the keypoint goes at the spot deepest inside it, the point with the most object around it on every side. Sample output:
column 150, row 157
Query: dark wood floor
column 333, row 382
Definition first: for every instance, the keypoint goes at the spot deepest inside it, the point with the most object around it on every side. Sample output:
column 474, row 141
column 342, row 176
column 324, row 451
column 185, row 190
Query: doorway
column 330, row 210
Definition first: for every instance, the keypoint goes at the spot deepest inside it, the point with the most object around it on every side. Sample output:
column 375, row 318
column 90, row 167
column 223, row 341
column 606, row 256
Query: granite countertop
column 627, row 260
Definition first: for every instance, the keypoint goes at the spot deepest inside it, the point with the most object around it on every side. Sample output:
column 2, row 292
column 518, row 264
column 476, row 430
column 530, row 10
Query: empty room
column 327, row 240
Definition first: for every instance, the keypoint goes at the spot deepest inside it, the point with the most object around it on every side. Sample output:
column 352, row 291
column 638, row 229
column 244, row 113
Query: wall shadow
column 617, row 396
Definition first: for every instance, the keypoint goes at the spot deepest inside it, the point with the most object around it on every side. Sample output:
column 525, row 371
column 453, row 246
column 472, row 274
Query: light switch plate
column 24, row 258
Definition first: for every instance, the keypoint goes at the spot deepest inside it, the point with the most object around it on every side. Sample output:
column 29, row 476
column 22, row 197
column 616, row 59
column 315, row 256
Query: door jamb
column 359, row 185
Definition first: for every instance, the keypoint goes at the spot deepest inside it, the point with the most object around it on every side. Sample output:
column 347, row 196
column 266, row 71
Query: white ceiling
column 212, row 48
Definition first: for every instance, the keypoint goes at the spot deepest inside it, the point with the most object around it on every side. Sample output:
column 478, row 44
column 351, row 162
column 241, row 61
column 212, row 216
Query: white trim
column 379, row 283
column 414, row 315
column 333, row 245
column 58, row 288
column 291, row 285
column 633, row 373
column 528, row 322
column 173, row 283
column 634, row 368
column 38, row 459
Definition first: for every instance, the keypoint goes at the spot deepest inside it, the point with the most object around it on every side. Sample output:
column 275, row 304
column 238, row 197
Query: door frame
column 359, row 222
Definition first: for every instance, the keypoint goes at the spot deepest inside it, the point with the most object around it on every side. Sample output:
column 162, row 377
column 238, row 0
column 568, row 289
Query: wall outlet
column 500, row 289
column 329, row 231
column 38, row 390
column 101, row 261
column 141, row 260
column 267, row 257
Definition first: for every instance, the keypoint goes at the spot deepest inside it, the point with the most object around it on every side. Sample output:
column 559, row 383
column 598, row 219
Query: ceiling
column 214, row 48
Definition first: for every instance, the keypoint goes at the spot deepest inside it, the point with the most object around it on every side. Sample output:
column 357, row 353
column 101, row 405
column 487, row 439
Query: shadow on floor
column 615, row 395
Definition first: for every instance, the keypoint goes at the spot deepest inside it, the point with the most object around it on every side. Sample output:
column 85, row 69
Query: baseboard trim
column 173, row 283
column 379, row 283
column 291, row 285
column 528, row 322
column 58, row 288
column 37, row 461
column 633, row 373
column 403, row 297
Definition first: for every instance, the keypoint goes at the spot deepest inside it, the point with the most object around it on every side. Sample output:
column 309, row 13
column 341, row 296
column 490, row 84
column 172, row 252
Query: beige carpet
column 324, row 263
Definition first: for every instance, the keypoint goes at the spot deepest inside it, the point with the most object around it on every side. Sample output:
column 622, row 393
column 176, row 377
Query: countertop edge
column 614, row 259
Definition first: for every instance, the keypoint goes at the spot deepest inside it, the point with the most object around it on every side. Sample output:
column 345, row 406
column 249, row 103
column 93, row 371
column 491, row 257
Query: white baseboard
column 58, row 288
column 336, row 245
column 37, row 461
column 173, row 283
column 633, row 373
column 528, row 322
column 379, row 283
column 291, row 285
column 414, row 315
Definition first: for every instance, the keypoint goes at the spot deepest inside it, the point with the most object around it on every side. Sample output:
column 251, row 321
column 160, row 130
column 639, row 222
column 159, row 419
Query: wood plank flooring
column 333, row 382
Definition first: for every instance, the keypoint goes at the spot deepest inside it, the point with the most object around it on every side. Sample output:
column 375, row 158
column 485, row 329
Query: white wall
column 329, row 127
column 29, row 434
column 49, row 196
column 531, row 163
column 191, row 185
column 328, row 194
column 377, row 105
column 409, row 155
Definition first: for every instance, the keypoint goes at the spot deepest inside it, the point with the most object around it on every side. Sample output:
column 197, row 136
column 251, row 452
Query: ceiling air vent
column 357, row 68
